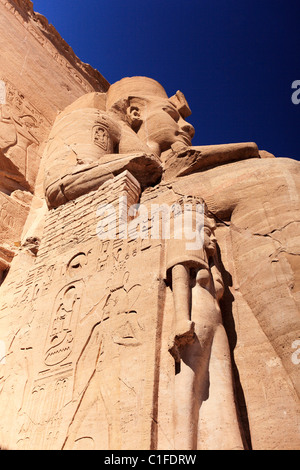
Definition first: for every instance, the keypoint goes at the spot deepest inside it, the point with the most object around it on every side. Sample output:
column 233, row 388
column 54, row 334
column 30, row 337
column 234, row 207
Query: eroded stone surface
column 111, row 337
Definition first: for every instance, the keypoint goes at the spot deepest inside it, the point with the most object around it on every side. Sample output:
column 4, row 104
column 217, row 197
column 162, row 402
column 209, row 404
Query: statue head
column 210, row 241
column 157, row 121
column 134, row 119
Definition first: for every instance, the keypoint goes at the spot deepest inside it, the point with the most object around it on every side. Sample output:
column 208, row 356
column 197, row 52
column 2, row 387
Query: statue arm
column 80, row 180
column 181, row 161
column 63, row 183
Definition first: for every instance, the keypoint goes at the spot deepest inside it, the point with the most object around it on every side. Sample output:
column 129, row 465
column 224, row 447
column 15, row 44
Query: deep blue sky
column 235, row 60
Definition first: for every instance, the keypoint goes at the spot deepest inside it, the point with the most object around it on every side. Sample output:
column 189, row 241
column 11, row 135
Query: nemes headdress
column 144, row 87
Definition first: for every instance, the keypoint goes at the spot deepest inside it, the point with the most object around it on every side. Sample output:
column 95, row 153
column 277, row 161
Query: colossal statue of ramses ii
column 135, row 126
column 164, row 342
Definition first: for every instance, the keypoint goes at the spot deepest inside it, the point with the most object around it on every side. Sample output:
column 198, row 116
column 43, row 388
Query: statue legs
column 205, row 414
column 184, row 327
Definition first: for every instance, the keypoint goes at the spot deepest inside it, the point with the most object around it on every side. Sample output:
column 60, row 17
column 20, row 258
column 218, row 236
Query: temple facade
column 149, row 288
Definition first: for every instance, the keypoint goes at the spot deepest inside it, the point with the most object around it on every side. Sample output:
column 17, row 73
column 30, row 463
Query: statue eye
column 172, row 112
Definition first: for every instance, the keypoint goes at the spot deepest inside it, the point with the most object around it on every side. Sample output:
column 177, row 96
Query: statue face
column 162, row 125
column 210, row 241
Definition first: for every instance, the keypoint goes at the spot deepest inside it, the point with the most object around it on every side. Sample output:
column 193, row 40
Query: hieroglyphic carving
column 6, row 216
column 42, row 422
column 101, row 137
column 8, row 4
column 22, row 129
column 59, row 58
column 63, row 324
column 118, row 326
column 76, row 264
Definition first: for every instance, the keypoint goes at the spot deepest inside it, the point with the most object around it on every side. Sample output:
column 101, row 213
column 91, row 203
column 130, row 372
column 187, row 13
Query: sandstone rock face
column 150, row 288
column 258, row 238
column 40, row 76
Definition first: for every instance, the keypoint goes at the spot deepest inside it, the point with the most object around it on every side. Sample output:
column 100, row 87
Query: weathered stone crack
column 277, row 229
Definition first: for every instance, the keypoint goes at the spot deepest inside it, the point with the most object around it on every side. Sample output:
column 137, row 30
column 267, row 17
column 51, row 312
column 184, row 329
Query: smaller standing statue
column 203, row 381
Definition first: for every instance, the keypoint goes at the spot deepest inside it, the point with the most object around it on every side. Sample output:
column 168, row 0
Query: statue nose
column 188, row 128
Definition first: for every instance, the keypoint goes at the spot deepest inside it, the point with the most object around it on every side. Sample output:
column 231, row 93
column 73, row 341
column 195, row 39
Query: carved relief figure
column 22, row 128
column 18, row 145
column 98, row 369
column 18, row 151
